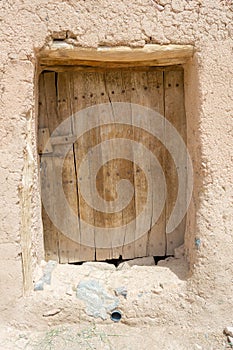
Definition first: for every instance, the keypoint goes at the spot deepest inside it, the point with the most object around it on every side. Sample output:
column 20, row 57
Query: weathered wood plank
column 158, row 54
column 44, row 140
column 103, row 220
column 148, row 91
column 118, row 89
column 62, row 140
column 102, row 68
column 56, row 90
column 47, row 103
column 82, row 85
column 175, row 113
column 64, row 110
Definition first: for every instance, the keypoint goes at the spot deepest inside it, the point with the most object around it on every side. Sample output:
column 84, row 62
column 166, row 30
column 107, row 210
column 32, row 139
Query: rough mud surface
column 158, row 312
column 115, row 336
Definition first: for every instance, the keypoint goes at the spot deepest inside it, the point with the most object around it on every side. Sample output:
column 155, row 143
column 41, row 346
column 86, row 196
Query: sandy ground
column 159, row 312
column 114, row 336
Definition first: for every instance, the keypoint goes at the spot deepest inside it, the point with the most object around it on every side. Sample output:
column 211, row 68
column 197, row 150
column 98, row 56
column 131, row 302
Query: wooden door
column 61, row 96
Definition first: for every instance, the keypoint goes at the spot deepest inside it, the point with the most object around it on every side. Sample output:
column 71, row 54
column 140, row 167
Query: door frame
column 58, row 54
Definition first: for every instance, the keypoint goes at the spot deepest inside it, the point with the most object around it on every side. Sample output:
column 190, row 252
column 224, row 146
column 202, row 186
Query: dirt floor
column 114, row 336
column 159, row 311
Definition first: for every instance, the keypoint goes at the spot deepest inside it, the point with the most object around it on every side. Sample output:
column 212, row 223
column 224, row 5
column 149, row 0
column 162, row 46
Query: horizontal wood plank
column 62, row 53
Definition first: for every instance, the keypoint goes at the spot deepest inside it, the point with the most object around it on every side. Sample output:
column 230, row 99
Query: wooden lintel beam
column 63, row 53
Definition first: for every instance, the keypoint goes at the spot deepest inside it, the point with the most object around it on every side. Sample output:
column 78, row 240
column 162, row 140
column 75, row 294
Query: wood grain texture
column 65, row 93
column 151, row 54
column 174, row 113
column 148, row 91
column 47, row 107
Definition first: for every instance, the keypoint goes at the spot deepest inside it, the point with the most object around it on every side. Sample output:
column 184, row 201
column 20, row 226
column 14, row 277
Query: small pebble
column 121, row 291
column 198, row 347
column 69, row 291
column 230, row 340
column 157, row 290
column 39, row 285
column 159, row 7
column 228, row 331
column 52, row 312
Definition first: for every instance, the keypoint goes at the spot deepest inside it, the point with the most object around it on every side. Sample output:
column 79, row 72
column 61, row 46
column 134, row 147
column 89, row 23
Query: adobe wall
column 26, row 27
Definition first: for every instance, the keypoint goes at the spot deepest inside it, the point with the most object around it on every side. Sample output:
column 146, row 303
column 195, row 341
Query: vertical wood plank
column 47, row 108
column 102, row 218
column 67, row 246
column 174, row 113
column 83, row 98
column 118, row 88
column 147, row 90
column 55, row 93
